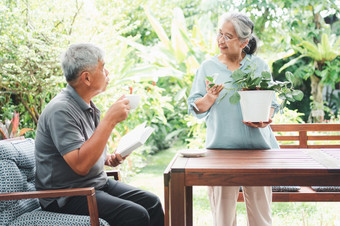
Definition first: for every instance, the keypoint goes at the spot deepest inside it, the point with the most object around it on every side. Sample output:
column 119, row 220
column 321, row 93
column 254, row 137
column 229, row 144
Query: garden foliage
column 155, row 48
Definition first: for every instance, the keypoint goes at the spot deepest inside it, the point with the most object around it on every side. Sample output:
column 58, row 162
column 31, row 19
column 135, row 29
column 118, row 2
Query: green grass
column 293, row 213
column 151, row 176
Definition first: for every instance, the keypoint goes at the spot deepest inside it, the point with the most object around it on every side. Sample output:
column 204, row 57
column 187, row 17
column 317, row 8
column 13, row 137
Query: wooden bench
column 304, row 136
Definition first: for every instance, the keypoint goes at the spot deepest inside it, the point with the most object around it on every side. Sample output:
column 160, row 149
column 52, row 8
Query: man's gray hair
column 80, row 57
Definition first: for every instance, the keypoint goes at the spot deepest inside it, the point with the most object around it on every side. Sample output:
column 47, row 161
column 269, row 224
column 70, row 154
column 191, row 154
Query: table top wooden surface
column 275, row 166
column 250, row 160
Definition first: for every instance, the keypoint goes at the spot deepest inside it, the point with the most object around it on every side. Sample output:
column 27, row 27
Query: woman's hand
column 204, row 104
column 214, row 91
column 258, row 124
column 261, row 124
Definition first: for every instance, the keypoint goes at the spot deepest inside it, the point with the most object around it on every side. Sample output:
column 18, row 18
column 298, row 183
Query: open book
column 133, row 139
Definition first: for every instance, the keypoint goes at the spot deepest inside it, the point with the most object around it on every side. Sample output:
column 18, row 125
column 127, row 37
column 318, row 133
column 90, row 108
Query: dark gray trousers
column 119, row 204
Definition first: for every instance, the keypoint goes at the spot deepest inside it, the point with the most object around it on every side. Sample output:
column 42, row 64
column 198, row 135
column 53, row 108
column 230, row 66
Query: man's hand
column 258, row 124
column 114, row 160
column 119, row 111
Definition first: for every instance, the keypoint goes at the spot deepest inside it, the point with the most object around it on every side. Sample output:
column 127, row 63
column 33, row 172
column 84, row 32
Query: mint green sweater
column 225, row 129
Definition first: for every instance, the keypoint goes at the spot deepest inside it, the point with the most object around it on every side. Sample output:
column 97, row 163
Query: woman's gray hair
column 80, row 57
column 244, row 28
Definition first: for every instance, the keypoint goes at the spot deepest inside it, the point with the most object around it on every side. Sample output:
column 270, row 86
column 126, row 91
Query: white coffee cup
column 134, row 100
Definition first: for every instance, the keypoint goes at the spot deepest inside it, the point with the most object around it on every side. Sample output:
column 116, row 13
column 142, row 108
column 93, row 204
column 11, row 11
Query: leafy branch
column 248, row 81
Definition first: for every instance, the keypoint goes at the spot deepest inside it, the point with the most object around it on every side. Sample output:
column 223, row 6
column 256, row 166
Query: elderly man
column 71, row 146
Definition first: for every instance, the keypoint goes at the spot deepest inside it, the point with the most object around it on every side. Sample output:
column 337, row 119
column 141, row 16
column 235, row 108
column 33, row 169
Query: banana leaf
column 158, row 28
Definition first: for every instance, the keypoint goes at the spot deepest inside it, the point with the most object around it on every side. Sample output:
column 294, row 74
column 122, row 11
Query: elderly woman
column 225, row 127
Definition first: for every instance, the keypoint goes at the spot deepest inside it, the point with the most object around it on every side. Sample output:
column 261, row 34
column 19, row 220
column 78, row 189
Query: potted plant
column 255, row 93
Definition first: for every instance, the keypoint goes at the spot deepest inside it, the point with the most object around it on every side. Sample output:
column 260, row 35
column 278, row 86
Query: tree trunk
column 317, row 22
column 317, row 113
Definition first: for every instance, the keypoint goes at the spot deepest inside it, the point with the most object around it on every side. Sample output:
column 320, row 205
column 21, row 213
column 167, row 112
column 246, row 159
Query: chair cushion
column 18, row 208
column 11, row 177
column 286, row 188
column 283, row 188
column 11, row 181
column 45, row 218
column 26, row 158
column 326, row 188
column 21, row 152
column 17, row 169
column 7, row 151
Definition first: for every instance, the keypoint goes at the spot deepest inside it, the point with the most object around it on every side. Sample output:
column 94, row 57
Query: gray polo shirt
column 65, row 124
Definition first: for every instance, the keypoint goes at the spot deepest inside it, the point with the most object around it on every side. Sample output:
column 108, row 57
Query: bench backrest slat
column 304, row 135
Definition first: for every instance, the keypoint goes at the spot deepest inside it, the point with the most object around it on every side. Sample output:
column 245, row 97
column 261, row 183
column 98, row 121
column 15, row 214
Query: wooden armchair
column 19, row 203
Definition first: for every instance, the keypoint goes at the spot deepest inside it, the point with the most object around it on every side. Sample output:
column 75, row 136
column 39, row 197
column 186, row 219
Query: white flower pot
column 255, row 105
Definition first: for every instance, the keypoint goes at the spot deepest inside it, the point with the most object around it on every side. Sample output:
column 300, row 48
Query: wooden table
column 245, row 168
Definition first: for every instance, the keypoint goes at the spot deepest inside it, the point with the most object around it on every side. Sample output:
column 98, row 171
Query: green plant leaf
column 10, row 129
column 252, row 87
column 173, row 134
column 181, row 94
column 290, row 97
column 256, row 81
column 282, row 96
column 274, row 87
column 238, row 74
column 325, row 45
column 178, row 27
column 297, row 95
column 318, row 73
column 289, row 76
column 290, row 63
column 266, row 75
column 235, row 98
column 264, row 85
column 312, row 50
column 248, row 81
column 226, row 93
column 157, row 27
column 210, row 79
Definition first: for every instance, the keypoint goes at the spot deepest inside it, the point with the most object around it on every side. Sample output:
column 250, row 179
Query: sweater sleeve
column 198, row 90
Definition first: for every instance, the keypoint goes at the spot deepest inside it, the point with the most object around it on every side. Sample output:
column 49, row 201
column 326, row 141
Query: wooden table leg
column 178, row 206
column 167, row 199
column 188, row 198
